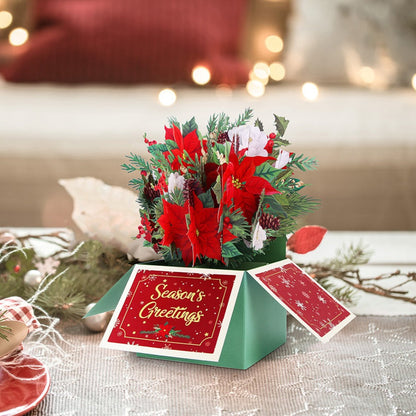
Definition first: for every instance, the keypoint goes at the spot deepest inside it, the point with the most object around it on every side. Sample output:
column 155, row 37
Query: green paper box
column 218, row 317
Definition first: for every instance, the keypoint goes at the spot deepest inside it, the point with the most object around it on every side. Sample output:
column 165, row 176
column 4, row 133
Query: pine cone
column 269, row 221
column 190, row 187
column 150, row 192
column 223, row 137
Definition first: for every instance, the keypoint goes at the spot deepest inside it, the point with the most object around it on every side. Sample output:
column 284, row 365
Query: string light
column 310, row 91
column 274, row 43
column 260, row 72
column 201, row 75
column 367, row 74
column 414, row 81
column 255, row 88
column 167, row 97
column 6, row 19
column 18, row 36
column 277, row 71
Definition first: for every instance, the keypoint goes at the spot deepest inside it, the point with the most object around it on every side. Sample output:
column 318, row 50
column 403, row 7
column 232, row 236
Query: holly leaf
column 281, row 124
column 259, row 124
column 189, row 126
column 206, row 199
column 267, row 172
column 306, row 239
column 229, row 250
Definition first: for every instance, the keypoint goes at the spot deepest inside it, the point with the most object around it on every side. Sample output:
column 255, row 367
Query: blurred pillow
column 132, row 41
column 368, row 42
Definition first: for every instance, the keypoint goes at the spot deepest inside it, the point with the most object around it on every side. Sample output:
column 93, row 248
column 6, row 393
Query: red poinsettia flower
column 241, row 187
column 190, row 143
column 173, row 223
column 203, row 231
column 227, row 235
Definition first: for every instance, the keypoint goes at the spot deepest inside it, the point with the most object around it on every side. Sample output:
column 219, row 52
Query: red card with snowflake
column 303, row 298
column 177, row 312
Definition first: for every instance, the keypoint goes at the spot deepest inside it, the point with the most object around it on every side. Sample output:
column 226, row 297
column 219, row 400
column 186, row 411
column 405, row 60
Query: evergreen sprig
column 85, row 277
column 136, row 163
column 303, row 162
column 243, row 118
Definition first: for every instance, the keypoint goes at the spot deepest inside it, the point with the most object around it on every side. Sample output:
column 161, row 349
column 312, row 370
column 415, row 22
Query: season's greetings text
column 151, row 309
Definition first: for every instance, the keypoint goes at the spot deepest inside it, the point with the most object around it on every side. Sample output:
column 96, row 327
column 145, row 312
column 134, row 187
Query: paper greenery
column 219, row 197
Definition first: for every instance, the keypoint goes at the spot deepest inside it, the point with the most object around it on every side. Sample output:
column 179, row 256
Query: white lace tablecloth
column 367, row 369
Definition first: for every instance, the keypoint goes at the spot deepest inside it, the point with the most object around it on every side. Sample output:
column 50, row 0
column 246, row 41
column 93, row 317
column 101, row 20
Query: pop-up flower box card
column 216, row 210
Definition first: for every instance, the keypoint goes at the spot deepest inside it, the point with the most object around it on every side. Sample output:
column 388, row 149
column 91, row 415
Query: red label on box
column 175, row 311
column 304, row 298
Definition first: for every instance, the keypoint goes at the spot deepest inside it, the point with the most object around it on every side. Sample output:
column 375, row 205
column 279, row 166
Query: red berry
column 17, row 268
column 227, row 220
column 272, row 135
column 143, row 172
column 269, row 146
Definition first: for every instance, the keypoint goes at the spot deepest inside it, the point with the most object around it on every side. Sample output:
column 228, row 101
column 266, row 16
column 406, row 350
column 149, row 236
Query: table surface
column 369, row 368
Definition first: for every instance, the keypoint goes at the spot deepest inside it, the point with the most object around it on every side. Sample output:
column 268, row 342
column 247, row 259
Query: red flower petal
column 306, row 239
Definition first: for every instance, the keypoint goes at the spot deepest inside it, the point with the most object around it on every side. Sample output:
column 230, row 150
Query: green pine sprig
column 243, row 118
column 136, row 163
column 303, row 162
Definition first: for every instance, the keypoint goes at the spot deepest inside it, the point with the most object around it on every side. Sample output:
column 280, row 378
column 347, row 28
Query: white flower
column 259, row 237
column 250, row 138
column 282, row 160
column 175, row 181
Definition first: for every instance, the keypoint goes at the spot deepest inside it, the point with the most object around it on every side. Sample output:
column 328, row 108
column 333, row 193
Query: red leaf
column 306, row 239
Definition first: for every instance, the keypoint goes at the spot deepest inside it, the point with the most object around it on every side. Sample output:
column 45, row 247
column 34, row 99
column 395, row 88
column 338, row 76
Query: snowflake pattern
column 300, row 305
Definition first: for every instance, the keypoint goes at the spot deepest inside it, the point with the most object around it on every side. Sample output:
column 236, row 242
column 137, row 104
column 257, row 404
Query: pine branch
column 136, row 163
column 136, row 183
column 343, row 268
column 303, row 163
column 223, row 122
column 300, row 204
column 243, row 118
column 212, row 123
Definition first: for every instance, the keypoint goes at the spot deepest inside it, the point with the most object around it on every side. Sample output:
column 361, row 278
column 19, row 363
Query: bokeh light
column 277, row 71
column 274, row 43
column 255, row 88
column 201, row 75
column 167, row 97
column 260, row 72
column 367, row 75
column 414, row 81
column 310, row 91
column 18, row 36
column 6, row 19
